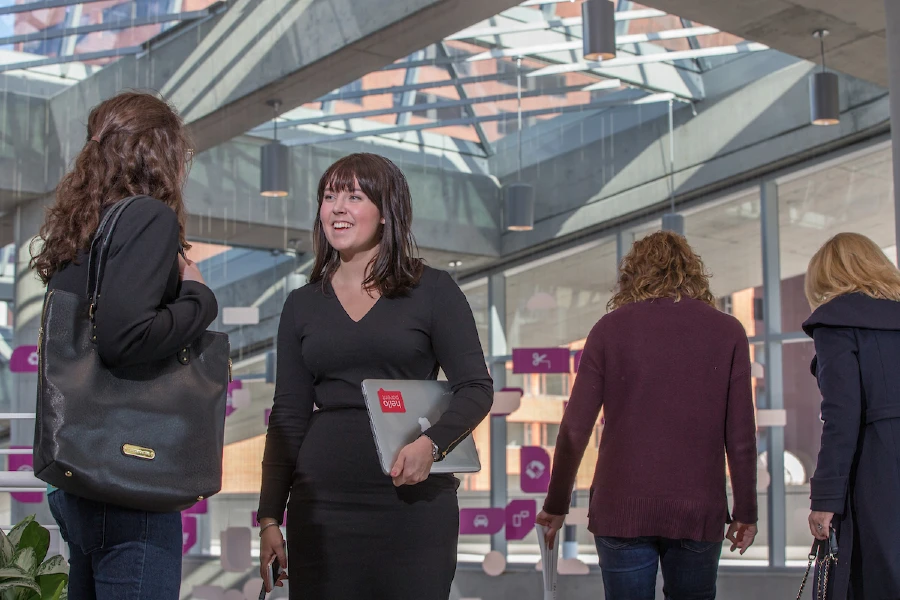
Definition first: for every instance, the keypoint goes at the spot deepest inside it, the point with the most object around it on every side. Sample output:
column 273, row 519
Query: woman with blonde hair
column 672, row 374
column 854, row 291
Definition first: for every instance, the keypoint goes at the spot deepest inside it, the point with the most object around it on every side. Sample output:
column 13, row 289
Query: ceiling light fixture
column 274, row 163
column 598, row 29
column 518, row 198
column 824, row 91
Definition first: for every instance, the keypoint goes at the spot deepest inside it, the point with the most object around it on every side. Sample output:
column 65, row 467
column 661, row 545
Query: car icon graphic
column 480, row 521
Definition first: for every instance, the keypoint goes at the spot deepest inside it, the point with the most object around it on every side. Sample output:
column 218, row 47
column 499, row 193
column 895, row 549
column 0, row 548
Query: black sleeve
column 133, row 325
column 839, row 382
column 294, row 396
column 454, row 340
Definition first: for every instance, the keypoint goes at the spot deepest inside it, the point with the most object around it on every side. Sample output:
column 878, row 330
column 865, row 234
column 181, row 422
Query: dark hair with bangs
column 396, row 269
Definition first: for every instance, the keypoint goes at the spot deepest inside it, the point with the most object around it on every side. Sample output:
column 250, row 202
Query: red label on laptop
column 391, row 402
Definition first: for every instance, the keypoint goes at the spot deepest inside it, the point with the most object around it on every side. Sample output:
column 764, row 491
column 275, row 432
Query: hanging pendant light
column 672, row 221
column 598, row 29
column 518, row 203
column 275, row 162
column 518, row 198
column 824, row 91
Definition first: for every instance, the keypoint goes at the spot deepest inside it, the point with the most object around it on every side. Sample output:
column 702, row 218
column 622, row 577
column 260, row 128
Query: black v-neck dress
column 351, row 533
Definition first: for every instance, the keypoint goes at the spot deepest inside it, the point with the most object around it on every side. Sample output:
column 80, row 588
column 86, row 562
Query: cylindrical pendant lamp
column 824, row 99
column 673, row 222
column 518, row 204
column 598, row 29
column 275, row 160
column 824, row 91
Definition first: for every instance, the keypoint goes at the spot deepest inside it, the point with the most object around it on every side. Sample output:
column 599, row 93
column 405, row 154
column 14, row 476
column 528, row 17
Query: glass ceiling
column 459, row 93
column 44, row 34
column 463, row 90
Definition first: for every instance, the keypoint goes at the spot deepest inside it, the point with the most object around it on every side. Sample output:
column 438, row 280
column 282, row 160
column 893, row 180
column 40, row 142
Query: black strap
column 98, row 235
column 95, row 277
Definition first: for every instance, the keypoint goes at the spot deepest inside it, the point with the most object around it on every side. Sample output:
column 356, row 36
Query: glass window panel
column 557, row 301
column 554, row 302
column 727, row 237
column 802, row 436
column 853, row 195
column 477, row 296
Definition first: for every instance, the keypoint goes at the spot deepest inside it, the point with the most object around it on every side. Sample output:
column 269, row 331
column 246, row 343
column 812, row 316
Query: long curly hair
column 396, row 268
column 849, row 263
column 662, row 265
column 136, row 144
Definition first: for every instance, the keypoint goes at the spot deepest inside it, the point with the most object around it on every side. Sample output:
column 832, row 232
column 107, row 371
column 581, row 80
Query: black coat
column 857, row 366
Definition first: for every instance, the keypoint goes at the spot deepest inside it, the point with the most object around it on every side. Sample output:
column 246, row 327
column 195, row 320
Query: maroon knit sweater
column 673, row 379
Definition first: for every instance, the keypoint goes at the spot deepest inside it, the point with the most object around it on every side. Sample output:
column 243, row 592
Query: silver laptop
column 399, row 411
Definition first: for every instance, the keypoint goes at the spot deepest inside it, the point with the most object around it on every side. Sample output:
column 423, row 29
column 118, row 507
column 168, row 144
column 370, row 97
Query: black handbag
column 824, row 555
column 149, row 436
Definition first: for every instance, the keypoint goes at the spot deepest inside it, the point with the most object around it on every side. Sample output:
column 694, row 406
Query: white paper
column 548, row 561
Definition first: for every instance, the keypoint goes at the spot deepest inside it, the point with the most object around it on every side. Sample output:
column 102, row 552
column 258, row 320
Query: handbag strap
column 98, row 235
column 825, row 554
column 95, row 276
column 813, row 556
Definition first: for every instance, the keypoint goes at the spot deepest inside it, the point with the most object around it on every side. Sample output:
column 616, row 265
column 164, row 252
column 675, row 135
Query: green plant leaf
column 12, row 572
column 36, row 537
column 16, row 584
column 52, row 586
column 25, row 560
column 7, row 550
column 15, row 534
column 53, row 565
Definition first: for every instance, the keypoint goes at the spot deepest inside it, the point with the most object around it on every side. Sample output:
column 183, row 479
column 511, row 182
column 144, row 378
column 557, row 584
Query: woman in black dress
column 371, row 311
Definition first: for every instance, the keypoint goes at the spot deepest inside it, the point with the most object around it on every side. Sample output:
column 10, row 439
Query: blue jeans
column 629, row 567
column 116, row 553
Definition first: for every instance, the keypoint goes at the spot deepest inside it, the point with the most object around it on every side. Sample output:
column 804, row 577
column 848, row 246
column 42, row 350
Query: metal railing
column 19, row 481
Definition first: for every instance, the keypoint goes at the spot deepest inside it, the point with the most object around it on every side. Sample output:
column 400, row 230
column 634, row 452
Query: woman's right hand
column 820, row 524
column 189, row 271
column 271, row 548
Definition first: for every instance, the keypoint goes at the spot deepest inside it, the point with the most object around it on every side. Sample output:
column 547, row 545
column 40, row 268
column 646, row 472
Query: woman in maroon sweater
column 672, row 374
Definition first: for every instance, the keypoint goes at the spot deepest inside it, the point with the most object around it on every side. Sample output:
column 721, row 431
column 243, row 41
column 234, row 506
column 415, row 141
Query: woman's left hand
column 820, row 524
column 413, row 463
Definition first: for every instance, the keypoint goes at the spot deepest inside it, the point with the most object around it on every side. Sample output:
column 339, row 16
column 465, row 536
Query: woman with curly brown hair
column 672, row 374
column 154, row 303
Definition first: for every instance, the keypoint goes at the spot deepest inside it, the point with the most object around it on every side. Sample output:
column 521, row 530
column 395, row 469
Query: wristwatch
column 435, row 452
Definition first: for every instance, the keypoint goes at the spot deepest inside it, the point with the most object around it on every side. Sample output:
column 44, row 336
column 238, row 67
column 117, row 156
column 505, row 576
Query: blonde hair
column 662, row 265
column 849, row 263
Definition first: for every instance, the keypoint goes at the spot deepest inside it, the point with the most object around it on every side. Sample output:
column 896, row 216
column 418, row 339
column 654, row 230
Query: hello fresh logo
column 391, row 402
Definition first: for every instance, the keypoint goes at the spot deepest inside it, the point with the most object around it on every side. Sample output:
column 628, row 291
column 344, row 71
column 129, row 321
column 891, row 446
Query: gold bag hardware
column 138, row 452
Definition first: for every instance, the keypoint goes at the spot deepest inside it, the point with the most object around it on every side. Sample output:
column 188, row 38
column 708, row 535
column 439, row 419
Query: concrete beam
column 456, row 207
column 757, row 127
column 857, row 44
column 26, row 159
column 219, row 71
